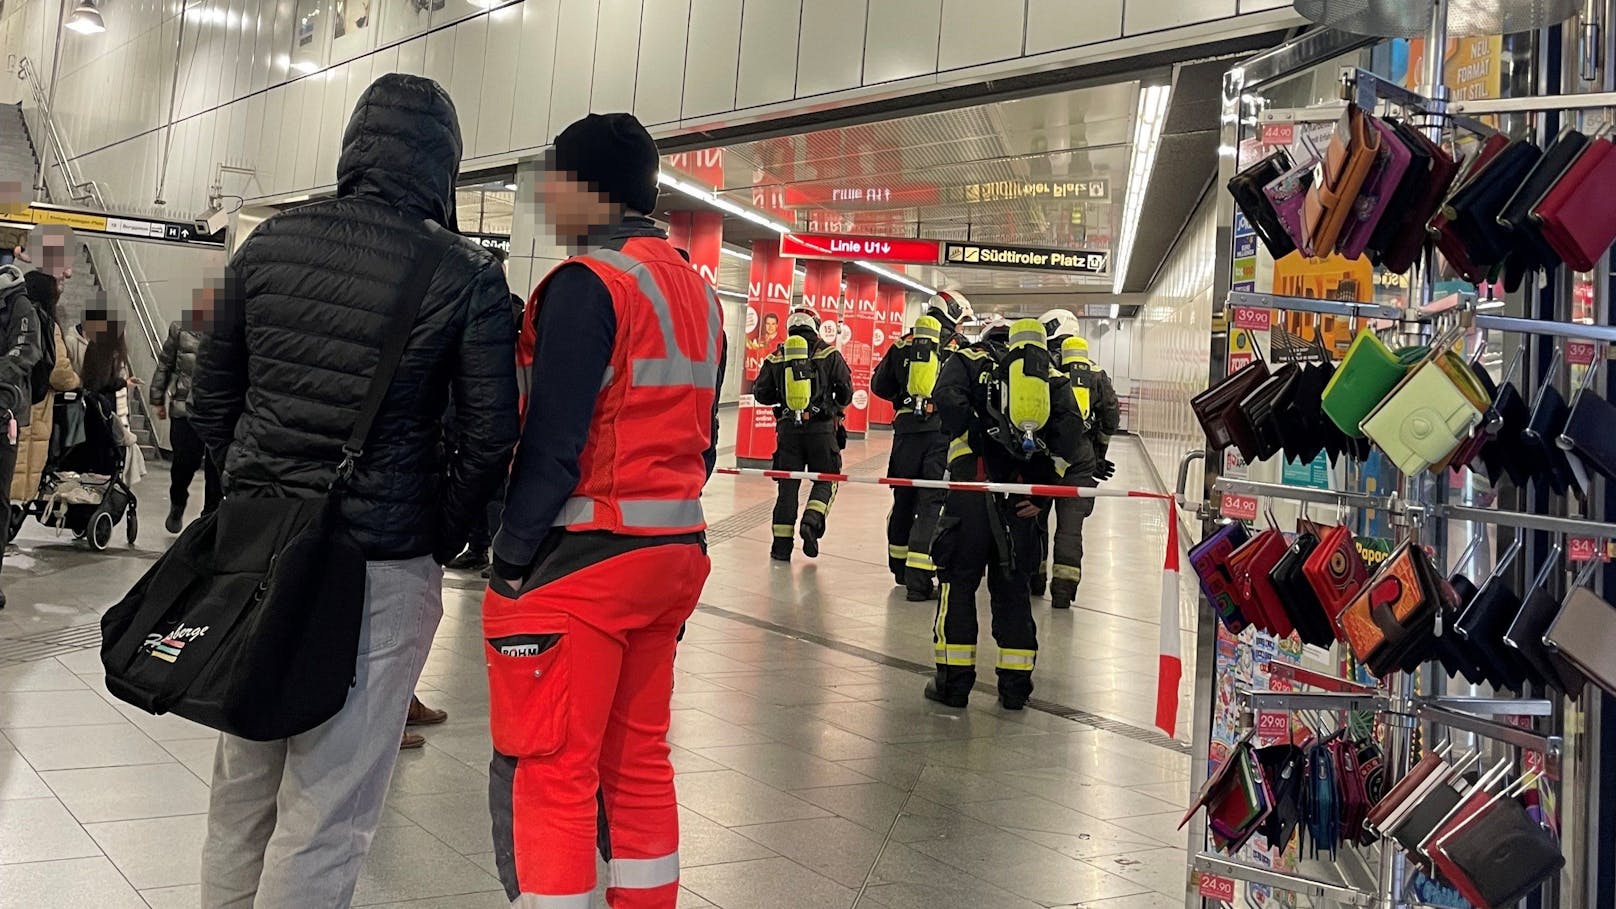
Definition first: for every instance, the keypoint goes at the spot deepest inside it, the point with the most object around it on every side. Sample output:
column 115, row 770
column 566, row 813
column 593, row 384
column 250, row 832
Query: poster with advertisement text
column 890, row 301
column 859, row 318
column 767, row 299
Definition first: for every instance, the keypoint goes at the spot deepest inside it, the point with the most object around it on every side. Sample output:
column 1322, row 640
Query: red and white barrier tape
column 1169, row 668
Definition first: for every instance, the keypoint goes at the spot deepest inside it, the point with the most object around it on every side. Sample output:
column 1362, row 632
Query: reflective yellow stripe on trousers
column 1017, row 659
column 897, row 552
column 920, row 560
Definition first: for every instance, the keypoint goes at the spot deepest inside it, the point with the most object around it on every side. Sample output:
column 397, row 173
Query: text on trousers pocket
column 529, row 688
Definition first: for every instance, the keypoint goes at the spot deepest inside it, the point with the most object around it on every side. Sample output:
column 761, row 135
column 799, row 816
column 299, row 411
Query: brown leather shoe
column 422, row 715
column 411, row 741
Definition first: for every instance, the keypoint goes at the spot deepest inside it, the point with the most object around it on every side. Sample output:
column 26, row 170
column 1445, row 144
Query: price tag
column 1586, row 549
column 1217, row 887
column 1579, row 353
column 1253, row 318
column 1239, row 507
column 1273, row 726
column 1278, row 133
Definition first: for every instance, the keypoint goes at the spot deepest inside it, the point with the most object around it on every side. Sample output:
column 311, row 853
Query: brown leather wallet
column 1347, row 162
column 1427, row 765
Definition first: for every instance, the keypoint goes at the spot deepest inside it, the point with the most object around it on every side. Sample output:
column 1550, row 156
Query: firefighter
column 809, row 384
column 601, row 552
column 1008, row 415
column 1097, row 403
column 907, row 376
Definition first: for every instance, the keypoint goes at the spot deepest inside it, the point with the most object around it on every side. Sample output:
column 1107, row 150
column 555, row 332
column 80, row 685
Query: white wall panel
column 574, row 63
column 535, row 64
column 361, row 73
column 769, row 39
column 617, row 56
column 830, row 51
column 381, row 63
column 334, row 114
column 230, row 51
column 466, row 78
column 1257, row 6
column 412, row 57
column 712, row 56
column 280, row 43
column 900, row 39
column 1160, row 14
column 659, row 85
column 980, row 31
column 440, row 56
column 1056, row 24
column 312, row 91
column 254, row 150
column 498, row 90
column 270, row 163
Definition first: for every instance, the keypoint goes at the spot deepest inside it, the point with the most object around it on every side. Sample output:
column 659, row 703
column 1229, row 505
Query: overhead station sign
column 125, row 227
column 994, row 255
column 897, row 250
column 1093, row 189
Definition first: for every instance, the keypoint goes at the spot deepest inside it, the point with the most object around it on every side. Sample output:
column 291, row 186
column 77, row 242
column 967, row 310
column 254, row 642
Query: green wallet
column 1365, row 377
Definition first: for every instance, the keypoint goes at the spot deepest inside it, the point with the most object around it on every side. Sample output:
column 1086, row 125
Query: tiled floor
column 811, row 772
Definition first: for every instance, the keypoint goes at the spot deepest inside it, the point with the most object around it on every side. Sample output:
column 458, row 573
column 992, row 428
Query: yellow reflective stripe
column 823, row 507
column 955, row 654
column 959, row 447
column 1067, row 572
column 920, row 560
column 1017, row 659
column 942, row 615
column 784, row 530
column 897, row 552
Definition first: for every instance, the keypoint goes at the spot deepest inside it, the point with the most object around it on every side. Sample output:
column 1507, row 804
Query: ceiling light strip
column 1147, row 132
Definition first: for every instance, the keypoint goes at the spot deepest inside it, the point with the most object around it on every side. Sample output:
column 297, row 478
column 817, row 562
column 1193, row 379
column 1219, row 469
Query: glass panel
column 403, row 18
column 351, row 31
column 308, row 46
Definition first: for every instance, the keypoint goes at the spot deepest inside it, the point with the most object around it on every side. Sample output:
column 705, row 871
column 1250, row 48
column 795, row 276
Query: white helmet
column 803, row 318
column 949, row 307
column 1060, row 323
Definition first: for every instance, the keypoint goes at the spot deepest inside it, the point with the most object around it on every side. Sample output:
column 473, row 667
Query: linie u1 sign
column 899, row 250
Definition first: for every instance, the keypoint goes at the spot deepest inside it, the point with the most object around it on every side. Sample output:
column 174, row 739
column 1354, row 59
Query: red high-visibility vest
column 642, row 468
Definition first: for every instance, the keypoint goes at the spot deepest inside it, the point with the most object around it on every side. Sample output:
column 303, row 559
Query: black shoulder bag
column 249, row 623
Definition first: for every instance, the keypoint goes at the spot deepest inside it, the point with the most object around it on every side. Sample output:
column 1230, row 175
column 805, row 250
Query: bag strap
column 436, row 245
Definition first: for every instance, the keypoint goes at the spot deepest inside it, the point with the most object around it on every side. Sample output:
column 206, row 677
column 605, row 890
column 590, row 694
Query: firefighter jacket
column 832, row 391
column 966, row 404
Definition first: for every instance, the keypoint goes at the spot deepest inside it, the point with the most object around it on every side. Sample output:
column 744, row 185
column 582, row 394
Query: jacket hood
column 402, row 147
column 10, row 279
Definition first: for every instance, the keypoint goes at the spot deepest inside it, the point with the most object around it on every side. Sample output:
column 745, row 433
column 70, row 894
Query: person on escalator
column 809, row 384
column 907, row 377
column 1008, row 416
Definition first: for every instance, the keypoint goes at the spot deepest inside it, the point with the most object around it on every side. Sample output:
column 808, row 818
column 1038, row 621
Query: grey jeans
column 290, row 821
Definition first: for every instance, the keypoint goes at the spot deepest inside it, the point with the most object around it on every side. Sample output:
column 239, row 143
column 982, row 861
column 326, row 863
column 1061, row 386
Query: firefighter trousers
column 1068, row 516
column 580, row 670
column 966, row 547
column 913, row 521
column 815, row 450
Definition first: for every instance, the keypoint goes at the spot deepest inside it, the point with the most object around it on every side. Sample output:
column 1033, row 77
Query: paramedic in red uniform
column 602, row 552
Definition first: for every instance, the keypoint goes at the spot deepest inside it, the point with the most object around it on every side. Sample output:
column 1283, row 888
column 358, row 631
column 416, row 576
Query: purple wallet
column 1286, row 193
column 1378, row 188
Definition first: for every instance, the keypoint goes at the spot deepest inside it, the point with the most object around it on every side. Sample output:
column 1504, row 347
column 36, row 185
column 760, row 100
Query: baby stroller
column 82, row 488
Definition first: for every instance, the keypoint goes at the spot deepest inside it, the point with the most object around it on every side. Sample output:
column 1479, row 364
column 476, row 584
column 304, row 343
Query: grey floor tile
column 84, row 662
column 129, row 793
column 17, row 779
column 196, row 754
column 40, row 675
column 938, row 896
column 156, row 852
column 1137, row 901
column 22, row 709
column 703, row 841
column 873, row 806
column 689, row 900
column 1056, row 881
column 690, row 762
column 486, row 900
column 732, row 799
column 74, row 747
column 749, row 885
column 783, row 767
column 408, row 863
column 39, row 830
column 1161, row 870
column 429, row 771
column 67, row 884
column 833, row 846
column 1100, row 800
column 470, row 745
column 697, row 729
column 898, row 770
column 1162, row 827
column 459, row 819
column 186, row 896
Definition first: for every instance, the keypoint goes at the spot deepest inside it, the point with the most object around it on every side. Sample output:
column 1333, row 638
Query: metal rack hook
column 1589, row 376
column 1469, row 550
column 1543, row 574
column 1548, row 375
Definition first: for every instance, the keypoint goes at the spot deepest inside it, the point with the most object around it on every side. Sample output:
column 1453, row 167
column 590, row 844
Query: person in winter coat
column 33, row 441
column 299, row 325
column 170, row 393
column 19, row 351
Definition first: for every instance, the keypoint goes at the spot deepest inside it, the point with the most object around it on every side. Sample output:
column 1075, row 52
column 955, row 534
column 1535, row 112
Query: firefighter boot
column 1039, row 582
column 951, row 687
column 1061, row 593
column 813, row 527
column 1015, row 687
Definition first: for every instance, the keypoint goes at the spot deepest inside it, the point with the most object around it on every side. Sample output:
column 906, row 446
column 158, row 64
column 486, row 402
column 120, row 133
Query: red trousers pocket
column 529, row 684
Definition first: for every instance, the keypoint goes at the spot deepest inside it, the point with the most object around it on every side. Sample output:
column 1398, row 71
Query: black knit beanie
column 614, row 153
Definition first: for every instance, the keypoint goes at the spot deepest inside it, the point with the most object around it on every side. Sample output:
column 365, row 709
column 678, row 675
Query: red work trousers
column 580, row 677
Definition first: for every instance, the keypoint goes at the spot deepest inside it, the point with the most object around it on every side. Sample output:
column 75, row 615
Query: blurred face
column 572, row 208
column 50, row 249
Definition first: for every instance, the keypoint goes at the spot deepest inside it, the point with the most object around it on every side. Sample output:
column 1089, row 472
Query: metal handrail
column 123, row 266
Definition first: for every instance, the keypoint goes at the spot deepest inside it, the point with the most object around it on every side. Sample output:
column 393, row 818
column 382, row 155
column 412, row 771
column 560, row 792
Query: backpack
column 1023, row 389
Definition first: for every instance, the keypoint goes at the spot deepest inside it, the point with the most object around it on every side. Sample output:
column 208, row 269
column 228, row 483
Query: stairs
column 83, row 291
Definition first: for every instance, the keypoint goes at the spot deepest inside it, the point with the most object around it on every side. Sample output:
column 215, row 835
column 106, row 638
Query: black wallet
column 1300, row 417
column 1588, row 433
column 1423, row 818
column 1218, row 408
column 1296, row 592
column 1261, row 410
column 1453, row 652
column 1538, row 440
column 1505, row 853
column 1532, row 251
column 1247, row 189
column 1405, row 197
column 1504, row 454
column 1482, row 626
column 1475, row 208
column 1525, row 635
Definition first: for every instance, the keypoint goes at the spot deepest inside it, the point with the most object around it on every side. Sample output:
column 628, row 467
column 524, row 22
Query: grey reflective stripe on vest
column 928, row 333
column 674, row 369
column 576, row 510
column 1029, row 336
column 660, row 512
column 643, row 874
column 536, row 901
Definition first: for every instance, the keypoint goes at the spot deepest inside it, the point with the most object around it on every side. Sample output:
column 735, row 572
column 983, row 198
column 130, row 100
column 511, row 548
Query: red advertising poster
column 888, row 326
column 706, row 165
column 822, row 292
column 871, row 249
column 858, row 345
column 767, row 299
column 701, row 234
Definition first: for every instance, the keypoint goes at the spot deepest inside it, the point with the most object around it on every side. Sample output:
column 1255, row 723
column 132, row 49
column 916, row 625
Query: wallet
column 1473, row 212
column 1247, row 189
column 1539, row 440
column 1302, row 425
column 1250, row 566
column 1393, row 613
column 1585, row 634
column 1403, row 208
column 1452, row 651
column 1588, row 433
column 1384, row 180
column 1337, row 572
column 1576, row 217
column 1260, row 410
column 1424, row 817
column 1286, row 195
column 1525, row 635
column 1404, row 247
column 1285, row 769
column 1236, row 797
column 1434, row 410
column 1367, row 374
column 1218, row 408
column 1482, row 625
column 1448, row 239
column 1428, row 764
column 1353, row 149
column 1296, row 594
column 1500, row 857
column 1502, row 454
column 1209, row 559
column 1535, row 252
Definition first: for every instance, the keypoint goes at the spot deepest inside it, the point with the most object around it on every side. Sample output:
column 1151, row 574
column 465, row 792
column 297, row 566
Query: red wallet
column 1251, row 565
column 1576, row 215
column 1337, row 572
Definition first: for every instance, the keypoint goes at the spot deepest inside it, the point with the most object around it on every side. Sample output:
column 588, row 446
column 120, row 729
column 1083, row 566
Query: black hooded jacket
column 299, row 330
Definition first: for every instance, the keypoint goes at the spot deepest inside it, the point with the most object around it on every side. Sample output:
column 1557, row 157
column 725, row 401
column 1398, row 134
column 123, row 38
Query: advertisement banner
column 822, row 292
column 701, row 234
column 767, row 299
column 890, row 301
column 863, row 311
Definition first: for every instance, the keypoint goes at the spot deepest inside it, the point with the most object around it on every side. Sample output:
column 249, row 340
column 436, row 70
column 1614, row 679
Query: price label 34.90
column 1239, row 507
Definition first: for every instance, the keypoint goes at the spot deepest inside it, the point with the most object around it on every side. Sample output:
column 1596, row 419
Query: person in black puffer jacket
column 170, row 397
column 298, row 330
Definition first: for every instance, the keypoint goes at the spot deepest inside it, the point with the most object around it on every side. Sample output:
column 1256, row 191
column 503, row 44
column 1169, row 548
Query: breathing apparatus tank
column 1024, row 382
column 1075, row 363
column 799, row 377
column 924, row 360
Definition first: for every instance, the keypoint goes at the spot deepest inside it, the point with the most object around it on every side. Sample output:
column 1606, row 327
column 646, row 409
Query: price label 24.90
column 1216, row 887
